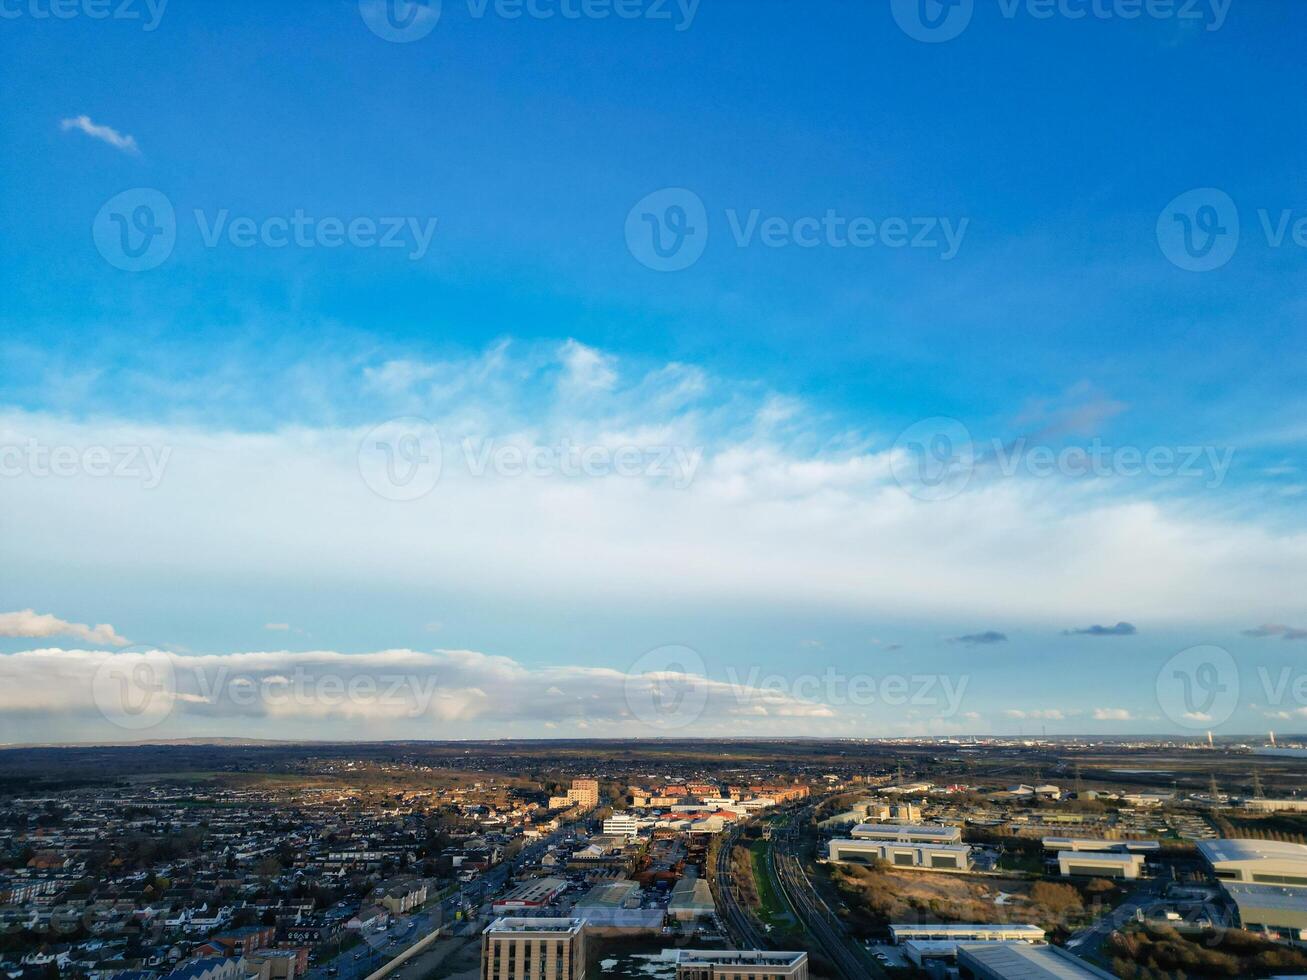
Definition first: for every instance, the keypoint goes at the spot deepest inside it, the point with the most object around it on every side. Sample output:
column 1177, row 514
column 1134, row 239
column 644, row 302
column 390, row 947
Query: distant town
column 692, row 861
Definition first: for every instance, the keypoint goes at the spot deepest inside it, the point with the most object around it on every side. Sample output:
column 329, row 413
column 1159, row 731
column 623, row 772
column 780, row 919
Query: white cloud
column 587, row 369
column 391, row 692
column 1112, row 714
column 781, row 512
column 30, row 624
column 279, row 627
column 1038, row 714
column 105, row 134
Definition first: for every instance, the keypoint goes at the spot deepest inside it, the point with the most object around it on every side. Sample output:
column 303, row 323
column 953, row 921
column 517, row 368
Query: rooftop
column 1267, row 896
column 534, row 924
column 1240, row 849
column 1022, row 961
column 736, row 957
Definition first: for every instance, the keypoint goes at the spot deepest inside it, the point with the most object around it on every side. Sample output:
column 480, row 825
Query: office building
column 534, row 894
column 1100, row 864
column 533, row 949
column 737, row 964
column 908, row 833
column 1097, row 844
column 918, row 857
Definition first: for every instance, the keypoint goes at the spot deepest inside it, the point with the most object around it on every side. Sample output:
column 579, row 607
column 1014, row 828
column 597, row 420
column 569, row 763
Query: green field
column 772, row 909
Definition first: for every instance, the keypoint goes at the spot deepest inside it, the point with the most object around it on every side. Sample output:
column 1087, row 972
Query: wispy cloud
column 1120, row 629
column 105, row 134
column 980, row 639
column 30, row 624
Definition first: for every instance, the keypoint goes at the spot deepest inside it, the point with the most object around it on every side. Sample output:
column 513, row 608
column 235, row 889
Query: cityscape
column 653, row 490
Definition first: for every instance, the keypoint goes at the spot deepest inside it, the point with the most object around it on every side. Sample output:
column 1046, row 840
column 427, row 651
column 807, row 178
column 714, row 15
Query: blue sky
column 523, row 148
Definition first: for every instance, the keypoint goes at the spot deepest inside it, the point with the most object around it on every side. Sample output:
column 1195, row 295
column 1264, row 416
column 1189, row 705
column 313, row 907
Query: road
column 405, row 930
column 1088, row 943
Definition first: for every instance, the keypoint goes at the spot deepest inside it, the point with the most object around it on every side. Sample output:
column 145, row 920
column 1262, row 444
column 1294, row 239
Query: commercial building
column 1277, row 912
column 907, row 833
column 1260, row 862
column 531, row 895
column 1100, row 864
column 1022, row 961
column 622, row 825
column 533, row 949
column 1264, row 805
column 1096, row 844
column 691, row 899
column 737, row 964
column 921, row 857
column 962, row 933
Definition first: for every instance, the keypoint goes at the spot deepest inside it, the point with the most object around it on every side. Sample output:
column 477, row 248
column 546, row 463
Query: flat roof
column 845, row 842
column 955, row 929
column 915, row 830
column 1101, row 857
column 1242, row 849
column 741, row 957
column 536, row 924
column 1022, row 961
column 1267, row 896
column 1097, row 844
